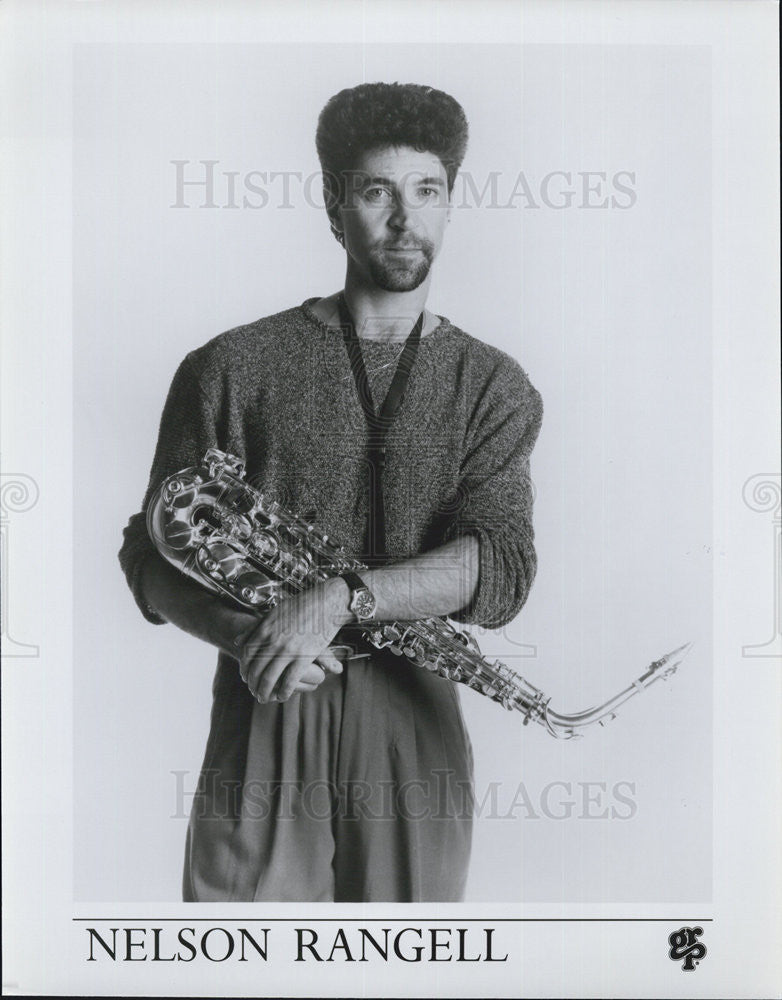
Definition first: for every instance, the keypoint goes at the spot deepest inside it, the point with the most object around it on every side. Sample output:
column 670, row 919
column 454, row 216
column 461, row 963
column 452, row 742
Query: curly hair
column 374, row 115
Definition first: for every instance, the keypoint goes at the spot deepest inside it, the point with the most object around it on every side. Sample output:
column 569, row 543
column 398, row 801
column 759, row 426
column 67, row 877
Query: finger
column 254, row 645
column 264, row 674
column 313, row 673
column 329, row 663
column 304, row 688
column 289, row 680
column 305, row 685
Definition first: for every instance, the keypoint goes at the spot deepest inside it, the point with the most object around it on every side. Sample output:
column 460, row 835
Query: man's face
column 395, row 216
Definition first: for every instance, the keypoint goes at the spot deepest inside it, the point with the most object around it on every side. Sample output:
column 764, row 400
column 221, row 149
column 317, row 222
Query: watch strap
column 353, row 580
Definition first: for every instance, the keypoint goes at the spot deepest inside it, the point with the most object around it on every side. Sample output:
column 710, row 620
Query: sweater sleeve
column 496, row 496
column 187, row 430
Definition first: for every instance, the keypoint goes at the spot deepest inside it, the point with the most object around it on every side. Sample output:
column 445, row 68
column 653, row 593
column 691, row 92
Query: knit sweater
column 280, row 394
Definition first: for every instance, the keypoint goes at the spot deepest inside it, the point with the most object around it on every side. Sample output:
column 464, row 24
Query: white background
column 619, row 320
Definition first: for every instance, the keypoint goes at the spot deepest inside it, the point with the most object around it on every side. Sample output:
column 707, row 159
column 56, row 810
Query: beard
column 395, row 273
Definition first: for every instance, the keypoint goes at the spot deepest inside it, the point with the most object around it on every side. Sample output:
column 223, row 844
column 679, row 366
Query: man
column 350, row 778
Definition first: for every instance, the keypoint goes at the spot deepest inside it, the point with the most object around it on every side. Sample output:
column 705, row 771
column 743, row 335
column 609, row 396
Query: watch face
column 363, row 604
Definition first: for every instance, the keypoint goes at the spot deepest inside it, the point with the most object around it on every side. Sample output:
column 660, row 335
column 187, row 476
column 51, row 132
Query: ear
column 337, row 229
column 335, row 222
column 335, row 217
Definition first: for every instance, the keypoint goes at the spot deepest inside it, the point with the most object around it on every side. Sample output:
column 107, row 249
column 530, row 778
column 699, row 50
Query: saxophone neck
column 569, row 726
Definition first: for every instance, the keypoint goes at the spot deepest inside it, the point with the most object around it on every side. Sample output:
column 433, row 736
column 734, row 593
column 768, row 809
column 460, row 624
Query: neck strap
column 378, row 421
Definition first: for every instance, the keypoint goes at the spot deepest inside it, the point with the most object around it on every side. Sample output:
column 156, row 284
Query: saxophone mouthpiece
column 663, row 662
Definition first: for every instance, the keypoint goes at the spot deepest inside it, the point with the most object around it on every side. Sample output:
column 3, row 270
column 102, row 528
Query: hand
column 287, row 651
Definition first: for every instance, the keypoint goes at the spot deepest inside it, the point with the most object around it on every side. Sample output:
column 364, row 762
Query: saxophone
column 212, row 525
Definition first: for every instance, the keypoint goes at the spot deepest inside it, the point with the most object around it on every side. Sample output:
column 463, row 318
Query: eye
column 377, row 195
column 425, row 194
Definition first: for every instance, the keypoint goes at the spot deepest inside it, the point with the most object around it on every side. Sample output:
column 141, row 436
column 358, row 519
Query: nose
column 402, row 216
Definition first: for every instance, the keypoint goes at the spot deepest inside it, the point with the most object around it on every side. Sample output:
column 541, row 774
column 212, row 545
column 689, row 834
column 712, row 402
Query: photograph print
column 404, row 386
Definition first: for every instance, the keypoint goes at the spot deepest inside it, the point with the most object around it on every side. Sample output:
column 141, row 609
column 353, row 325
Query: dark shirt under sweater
column 280, row 393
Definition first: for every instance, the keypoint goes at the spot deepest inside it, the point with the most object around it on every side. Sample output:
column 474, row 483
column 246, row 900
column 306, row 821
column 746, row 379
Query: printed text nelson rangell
column 395, row 942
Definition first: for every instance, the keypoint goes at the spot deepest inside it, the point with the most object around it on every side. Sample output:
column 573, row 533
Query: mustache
column 407, row 245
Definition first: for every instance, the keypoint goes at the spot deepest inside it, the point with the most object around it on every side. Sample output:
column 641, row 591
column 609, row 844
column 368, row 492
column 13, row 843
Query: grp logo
column 686, row 946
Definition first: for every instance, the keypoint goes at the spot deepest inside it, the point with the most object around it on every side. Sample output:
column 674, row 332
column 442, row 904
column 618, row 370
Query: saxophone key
column 224, row 559
column 237, row 526
column 414, row 652
column 241, row 501
column 255, row 589
column 179, row 534
column 265, row 544
column 301, row 565
column 384, row 637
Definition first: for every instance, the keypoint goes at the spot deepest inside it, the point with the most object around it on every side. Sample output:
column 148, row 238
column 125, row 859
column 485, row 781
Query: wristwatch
column 363, row 602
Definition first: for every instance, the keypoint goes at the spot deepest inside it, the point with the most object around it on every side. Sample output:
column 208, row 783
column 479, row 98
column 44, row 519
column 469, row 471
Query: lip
column 403, row 250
